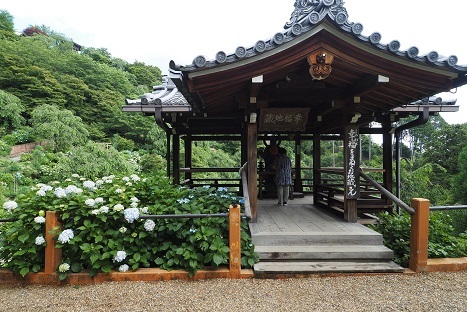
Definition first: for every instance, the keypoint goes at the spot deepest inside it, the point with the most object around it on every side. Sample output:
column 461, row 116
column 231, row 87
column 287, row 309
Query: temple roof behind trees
column 366, row 76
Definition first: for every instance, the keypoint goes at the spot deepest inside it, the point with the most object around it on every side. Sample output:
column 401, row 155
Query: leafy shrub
column 459, row 221
column 101, row 229
column 122, row 144
column 442, row 242
column 152, row 162
column 5, row 148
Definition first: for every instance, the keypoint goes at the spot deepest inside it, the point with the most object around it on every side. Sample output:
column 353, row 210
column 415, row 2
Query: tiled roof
column 305, row 17
column 166, row 94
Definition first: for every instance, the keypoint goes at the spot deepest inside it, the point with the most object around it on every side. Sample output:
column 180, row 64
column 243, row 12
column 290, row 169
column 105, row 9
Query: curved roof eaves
column 305, row 17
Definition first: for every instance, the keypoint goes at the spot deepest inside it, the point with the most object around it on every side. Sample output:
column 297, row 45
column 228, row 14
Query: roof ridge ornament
column 310, row 12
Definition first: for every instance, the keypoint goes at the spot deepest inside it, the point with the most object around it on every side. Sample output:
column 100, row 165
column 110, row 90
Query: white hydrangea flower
column 149, row 225
column 120, row 256
column 131, row 214
column 65, row 236
column 144, row 210
column 59, row 192
column 134, row 200
column 89, row 202
column 40, row 240
column 134, row 205
column 45, row 187
column 119, row 191
column 135, row 178
column 122, row 229
column 10, row 205
column 104, row 209
column 123, row 268
column 75, row 175
column 95, row 212
column 99, row 183
column 64, row 267
column 71, row 189
column 39, row 219
column 40, row 193
column 99, row 200
column 118, row 207
column 128, row 184
column 90, row 185
column 126, row 179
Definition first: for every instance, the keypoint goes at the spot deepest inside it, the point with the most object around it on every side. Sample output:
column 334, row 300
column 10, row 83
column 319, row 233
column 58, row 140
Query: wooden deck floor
column 300, row 215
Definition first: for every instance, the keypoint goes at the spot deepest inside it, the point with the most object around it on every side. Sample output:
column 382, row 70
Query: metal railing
column 439, row 208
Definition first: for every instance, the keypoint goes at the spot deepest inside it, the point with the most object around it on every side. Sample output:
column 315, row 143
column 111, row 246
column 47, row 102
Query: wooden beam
column 368, row 84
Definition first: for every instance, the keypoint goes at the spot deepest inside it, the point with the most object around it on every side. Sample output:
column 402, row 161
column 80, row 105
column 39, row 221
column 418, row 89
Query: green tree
column 61, row 127
column 444, row 147
column 145, row 75
column 430, row 181
column 105, row 161
column 10, row 112
column 6, row 21
column 420, row 136
column 460, row 179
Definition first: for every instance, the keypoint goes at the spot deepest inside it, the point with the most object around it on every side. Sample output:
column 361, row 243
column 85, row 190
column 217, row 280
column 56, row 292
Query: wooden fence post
column 53, row 256
column 234, row 242
column 419, row 235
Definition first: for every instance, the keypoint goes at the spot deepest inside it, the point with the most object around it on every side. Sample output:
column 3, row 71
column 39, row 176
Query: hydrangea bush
column 102, row 229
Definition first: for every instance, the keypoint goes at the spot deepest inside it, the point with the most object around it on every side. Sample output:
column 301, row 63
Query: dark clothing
column 283, row 167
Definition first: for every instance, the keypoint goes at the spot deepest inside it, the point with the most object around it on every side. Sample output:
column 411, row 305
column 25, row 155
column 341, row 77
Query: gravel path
column 424, row 292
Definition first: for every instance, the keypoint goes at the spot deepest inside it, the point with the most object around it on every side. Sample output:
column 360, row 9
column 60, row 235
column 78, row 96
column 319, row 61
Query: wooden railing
column 246, row 194
column 330, row 193
column 234, row 184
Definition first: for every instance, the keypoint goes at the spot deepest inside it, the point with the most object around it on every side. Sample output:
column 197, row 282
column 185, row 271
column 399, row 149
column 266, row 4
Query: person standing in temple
column 283, row 167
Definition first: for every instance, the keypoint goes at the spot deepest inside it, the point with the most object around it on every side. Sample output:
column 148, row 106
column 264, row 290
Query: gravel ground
column 432, row 292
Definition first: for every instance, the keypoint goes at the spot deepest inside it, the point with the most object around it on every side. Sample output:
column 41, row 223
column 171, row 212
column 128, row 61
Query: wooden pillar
column 53, row 256
column 244, row 146
column 235, row 255
column 316, row 163
column 188, row 156
column 351, row 172
column 387, row 160
column 252, row 168
column 298, row 185
column 176, row 159
column 419, row 235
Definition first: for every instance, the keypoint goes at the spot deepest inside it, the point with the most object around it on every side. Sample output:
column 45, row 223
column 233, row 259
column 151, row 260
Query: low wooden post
column 419, row 235
column 234, row 241
column 53, row 256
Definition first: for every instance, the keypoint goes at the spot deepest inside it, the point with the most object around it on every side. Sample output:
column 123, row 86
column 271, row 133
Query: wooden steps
column 349, row 248
column 321, row 267
column 325, row 252
column 303, row 239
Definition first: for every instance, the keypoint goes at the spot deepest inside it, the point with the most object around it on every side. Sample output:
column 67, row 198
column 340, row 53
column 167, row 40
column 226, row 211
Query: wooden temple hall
column 318, row 79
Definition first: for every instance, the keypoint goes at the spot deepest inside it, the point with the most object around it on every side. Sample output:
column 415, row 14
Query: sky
column 156, row 32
